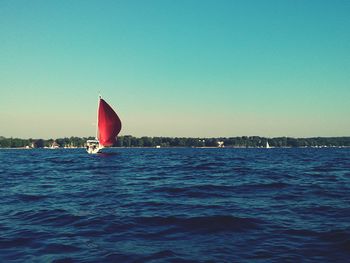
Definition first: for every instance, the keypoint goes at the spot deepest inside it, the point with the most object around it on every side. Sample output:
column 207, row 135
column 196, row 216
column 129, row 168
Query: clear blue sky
column 176, row 68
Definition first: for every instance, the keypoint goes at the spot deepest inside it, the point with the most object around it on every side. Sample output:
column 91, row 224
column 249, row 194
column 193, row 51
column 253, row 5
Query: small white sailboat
column 108, row 127
column 267, row 144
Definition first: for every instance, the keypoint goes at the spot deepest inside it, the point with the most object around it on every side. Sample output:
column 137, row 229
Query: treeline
column 130, row 141
column 244, row 141
column 40, row 143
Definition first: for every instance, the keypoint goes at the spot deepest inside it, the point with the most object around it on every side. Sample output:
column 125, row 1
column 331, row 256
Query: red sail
column 109, row 124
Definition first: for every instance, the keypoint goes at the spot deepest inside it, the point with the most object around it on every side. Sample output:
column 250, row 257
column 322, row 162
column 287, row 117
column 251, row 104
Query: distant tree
column 147, row 141
column 39, row 143
column 49, row 142
column 120, row 141
column 127, row 141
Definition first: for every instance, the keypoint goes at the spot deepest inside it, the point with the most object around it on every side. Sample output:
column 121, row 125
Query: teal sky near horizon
column 176, row 68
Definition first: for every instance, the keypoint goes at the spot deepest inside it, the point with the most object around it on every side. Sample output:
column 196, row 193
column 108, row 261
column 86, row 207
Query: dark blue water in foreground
column 175, row 205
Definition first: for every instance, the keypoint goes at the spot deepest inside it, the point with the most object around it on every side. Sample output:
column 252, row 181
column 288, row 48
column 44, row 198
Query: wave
column 338, row 236
column 15, row 242
column 163, row 254
column 31, row 197
column 59, row 248
column 55, row 217
column 205, row 224
column 66, row 260
column 266, row 186
column 198, row 191
column 208, row 166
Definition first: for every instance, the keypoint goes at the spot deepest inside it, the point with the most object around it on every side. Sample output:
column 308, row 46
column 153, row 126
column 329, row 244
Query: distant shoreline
column 128, row 141
column 169, row 148
column 176, row 147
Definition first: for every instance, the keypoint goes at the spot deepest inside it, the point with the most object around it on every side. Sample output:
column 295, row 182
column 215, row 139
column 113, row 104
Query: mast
column 98, row 105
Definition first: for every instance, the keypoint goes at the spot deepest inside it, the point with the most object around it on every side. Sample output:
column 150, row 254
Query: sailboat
column 108, row 127
column 267, row 144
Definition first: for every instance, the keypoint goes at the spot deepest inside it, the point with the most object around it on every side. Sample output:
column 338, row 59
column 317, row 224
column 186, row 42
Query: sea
column 175, row 205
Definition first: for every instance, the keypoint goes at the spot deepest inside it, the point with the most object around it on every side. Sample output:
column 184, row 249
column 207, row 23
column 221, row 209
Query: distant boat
column 108, row 127
column 267, row 144
column 54, row 145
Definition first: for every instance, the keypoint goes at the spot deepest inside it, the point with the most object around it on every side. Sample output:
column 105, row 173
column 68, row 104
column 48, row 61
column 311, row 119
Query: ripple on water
column 175, row 205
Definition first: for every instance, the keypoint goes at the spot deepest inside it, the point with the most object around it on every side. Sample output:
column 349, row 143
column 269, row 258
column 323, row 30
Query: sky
column 176, row 68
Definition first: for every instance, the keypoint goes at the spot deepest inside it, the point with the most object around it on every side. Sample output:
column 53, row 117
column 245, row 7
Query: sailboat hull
column 93, row 147
column 93, row 151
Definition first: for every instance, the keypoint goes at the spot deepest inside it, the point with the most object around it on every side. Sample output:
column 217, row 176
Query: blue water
column 175, row 205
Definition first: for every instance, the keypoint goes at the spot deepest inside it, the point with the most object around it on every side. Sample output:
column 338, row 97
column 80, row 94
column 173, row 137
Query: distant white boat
column 267, row 145
column 54, row 145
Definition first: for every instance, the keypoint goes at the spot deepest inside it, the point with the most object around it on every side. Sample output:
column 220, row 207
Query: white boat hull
column 93, row 150
column 93, row 147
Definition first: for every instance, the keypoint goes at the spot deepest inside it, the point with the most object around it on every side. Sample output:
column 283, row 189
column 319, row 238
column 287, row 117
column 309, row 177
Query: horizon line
column 199, row 137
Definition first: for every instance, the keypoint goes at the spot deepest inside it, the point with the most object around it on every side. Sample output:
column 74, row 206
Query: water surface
column 175, row 205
